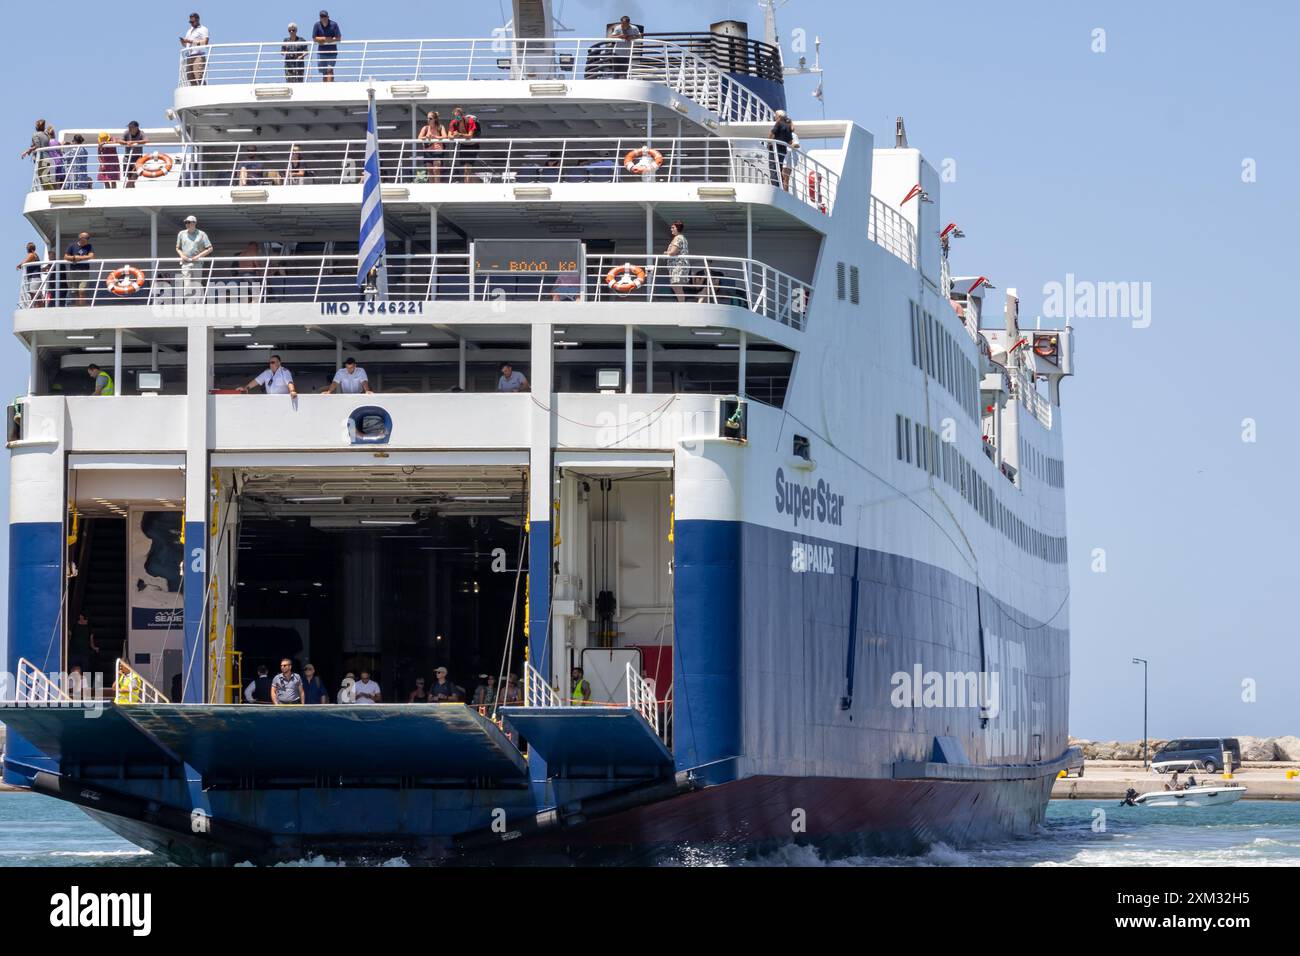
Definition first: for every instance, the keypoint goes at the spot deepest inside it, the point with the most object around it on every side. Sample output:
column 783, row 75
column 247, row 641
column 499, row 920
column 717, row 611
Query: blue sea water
column 38, row 831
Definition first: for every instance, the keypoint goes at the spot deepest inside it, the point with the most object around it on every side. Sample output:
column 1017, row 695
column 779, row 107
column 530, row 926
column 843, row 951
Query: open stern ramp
column 355, row 742
column 598, row 740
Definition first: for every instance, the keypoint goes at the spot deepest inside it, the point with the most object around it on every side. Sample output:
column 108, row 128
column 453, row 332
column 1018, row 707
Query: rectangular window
column 898, row 436
column 907, row 437
column 802, row 448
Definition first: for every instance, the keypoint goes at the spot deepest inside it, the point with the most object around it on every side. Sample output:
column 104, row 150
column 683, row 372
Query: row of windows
column 919, row 445
column 1049, row 470
column 940, row 355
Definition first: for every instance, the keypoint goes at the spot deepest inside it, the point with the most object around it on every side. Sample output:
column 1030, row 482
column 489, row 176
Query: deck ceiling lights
column 272, row 92
column 394, row 192
column 250, row 195
column 548, row 89
column 679, row 106
column 716, row 192
column 532, row 192
column 67, row 199
column 408, row 89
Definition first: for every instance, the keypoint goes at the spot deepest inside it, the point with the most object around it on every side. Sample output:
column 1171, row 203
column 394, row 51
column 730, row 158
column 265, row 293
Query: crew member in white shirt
column 195, row 43
column 351, row 379
column 275, row 379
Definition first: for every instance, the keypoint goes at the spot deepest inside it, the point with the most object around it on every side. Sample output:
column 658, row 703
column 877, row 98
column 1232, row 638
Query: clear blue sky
column 1117, row 166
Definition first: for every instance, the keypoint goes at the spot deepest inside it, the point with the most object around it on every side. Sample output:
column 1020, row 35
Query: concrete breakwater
column 1253, row 749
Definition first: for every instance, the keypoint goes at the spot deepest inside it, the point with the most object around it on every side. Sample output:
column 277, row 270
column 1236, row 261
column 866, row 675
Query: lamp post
column 1139, row 660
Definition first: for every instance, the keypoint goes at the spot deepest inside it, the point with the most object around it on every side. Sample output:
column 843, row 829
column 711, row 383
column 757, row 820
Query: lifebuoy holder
column 1045, row 346
column 636, row 160
column 125, row 281
column 625, row 278
column 154, row 165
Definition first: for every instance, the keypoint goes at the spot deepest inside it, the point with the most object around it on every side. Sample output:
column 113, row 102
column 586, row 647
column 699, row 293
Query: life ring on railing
column 636, row 160
column 124, row 281
column 815, row 190
column 1045, row 346
column 154, row 166
column 625, row 278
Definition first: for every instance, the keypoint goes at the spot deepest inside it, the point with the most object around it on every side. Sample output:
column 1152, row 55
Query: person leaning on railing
column 195, row 44
column 326, row 34
column 110, row 168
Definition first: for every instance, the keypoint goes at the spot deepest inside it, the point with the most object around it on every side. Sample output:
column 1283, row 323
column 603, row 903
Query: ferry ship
column 792, row 497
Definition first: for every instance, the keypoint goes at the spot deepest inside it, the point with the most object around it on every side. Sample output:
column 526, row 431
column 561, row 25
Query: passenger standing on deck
column 134, row 140
column 510, row 380
column 510, row 694
column 195, row 44
column 581, row 689
column 326, row 35
column 30, row 267
column 258, row 690
column 348, row 690
column 486, row 692
column 626, row 33
column 367, row 691
column 40, row 142
column 351, row 379
column 678, row 264
column 442, row 690
column 78, row 257
column 463, row 132
column 192, row 244
column 783, row 139
column 294, row 49
column 419, row 695
column 275, row 379
column 313, row 687
column 103, row 381
column 287, row 686
column 110, row 170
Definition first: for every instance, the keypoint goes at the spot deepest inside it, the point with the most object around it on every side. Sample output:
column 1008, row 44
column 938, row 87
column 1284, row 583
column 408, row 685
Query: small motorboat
column 1191, row 794
column 1205, row 796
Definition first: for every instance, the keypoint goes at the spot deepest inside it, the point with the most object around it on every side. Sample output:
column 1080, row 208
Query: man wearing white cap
column 192, row 244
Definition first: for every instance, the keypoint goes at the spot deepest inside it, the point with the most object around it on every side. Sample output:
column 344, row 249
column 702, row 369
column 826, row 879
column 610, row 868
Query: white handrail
column 239, row 282
column 506, row 58
column 542, row 160
column 537, row 692
column 35, row 687
column 641, row 698
column 888, row 228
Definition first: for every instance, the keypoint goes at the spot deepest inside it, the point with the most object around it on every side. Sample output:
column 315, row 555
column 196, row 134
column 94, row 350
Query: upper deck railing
column 255, row 279
column 409, row 161
column 497, row 58
column 887, row 227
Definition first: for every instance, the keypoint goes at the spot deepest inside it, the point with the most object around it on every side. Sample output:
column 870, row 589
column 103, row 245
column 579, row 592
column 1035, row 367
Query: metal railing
column 413, row 161
column 537, row 692
column 256, row 279
column 496, row 58
column 887, row 228
column 130, row 687
column 641, row 698
column 35, row 687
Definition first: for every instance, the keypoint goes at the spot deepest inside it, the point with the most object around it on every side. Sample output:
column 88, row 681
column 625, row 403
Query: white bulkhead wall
column 894, row 174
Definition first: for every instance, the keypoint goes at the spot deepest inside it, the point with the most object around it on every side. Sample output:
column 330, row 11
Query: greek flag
column 371, row 245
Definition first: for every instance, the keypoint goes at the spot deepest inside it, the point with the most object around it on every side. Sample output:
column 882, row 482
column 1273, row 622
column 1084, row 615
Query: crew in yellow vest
column 103, row 381
column 581, row 689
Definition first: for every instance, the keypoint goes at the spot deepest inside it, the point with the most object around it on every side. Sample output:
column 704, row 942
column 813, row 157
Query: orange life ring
column 1045, row 346
column 154, row 166
column 625, row 278
column 118, row 282
column 634, row 161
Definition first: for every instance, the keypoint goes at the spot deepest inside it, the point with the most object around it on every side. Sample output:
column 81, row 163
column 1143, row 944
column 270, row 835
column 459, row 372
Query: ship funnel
column 900, row 134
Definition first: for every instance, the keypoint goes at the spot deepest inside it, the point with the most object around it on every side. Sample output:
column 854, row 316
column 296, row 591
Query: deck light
column 716, row 192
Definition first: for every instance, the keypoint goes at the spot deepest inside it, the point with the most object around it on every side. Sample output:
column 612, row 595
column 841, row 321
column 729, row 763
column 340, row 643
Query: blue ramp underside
column 82, row 734
column 590, row 737
column 449, row 741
